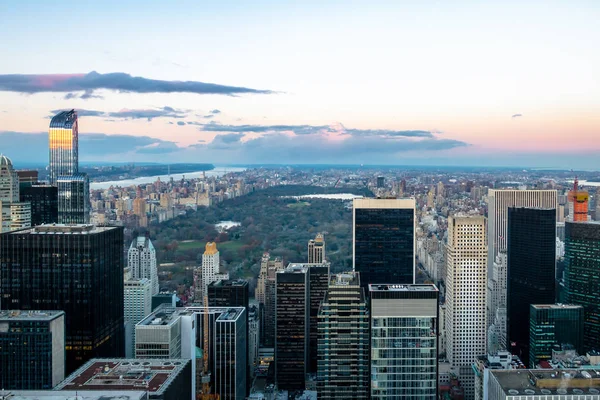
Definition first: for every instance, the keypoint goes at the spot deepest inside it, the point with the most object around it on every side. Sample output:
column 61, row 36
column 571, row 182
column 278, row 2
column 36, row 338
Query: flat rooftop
column 344, row 279
column 63, row 229
column 72, row 395
column 153, row 375
column 166, row 315
column 529, row 382
column 33, row 315
column 229, row 283
column 294, row 269
column 555, row 306
column 402, row 288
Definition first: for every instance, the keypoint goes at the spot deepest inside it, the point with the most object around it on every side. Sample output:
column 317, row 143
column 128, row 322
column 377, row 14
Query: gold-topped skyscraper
column 63, row 140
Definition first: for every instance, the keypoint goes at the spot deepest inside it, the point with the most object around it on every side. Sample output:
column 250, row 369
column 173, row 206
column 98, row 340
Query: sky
column 498, row 83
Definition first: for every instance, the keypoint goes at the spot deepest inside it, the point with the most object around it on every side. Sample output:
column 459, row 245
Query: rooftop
column 402, row 288
column 166, row 315
column 18, row 315
column 528, row 382
column 229, row 283
column 72, row 395
column 64, row 119
column 153, row 375
column 555, row 306
column 345, row 279
column 295, row 269
column 64, row 229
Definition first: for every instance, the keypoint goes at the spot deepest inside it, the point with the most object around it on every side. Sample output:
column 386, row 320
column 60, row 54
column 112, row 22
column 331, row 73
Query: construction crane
column 206, row 376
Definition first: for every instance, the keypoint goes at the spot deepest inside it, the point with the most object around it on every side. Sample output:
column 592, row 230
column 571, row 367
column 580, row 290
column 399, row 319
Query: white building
column 498, row 203
column 209, row 272
column 141, row 260
column 138, row 304
column 466, row 293
column 13, row 214
column 497, row 287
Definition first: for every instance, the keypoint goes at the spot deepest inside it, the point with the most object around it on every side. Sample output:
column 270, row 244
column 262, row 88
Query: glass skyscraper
column 551, row 326
column 343, row 340
column 404, row 335
column 531, row 264
column 74, row 268
column 44, row 203
column 384, row 240
column 582, row 276
column 73, row 199
column 63, row 139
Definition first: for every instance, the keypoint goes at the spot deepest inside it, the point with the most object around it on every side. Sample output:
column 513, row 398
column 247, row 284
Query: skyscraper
column 316, row 249
column 32, row 349
column 404, row 328
column 63, row 139
column 582, row 281
column 552, row 326
column 498, row 203
column 318, row 275
column 578, row 203
column 228, row 293
column 13, row 213
column 74, row 268
column 384, row 240
column 266, row 297
column 141, row 261
column 137, row 305
column 343, row 340
column 531, row 263
column 466, row 293
column 44, row 203
column 209, row 272
column 292, row 315
column 73, row 199
column 497, row 287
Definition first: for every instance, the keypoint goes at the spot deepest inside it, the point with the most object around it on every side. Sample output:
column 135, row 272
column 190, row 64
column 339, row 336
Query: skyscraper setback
column 384, row 240
column 141, row 261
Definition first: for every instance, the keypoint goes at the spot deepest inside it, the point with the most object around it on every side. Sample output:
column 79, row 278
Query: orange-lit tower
column 578, row 203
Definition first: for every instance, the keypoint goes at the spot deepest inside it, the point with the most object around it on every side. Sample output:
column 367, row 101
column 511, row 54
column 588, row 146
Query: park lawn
column 299, row 204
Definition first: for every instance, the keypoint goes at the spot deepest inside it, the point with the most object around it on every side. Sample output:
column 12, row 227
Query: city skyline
column 394, row 84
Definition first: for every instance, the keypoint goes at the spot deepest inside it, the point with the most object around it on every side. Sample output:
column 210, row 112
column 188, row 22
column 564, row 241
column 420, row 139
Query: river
column 150, row 179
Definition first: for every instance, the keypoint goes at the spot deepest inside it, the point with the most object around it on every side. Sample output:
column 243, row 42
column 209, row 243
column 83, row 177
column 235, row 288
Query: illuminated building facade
column 578, row 203
column 63, row 139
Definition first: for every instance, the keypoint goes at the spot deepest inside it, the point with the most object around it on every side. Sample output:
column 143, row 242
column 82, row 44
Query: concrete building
column 209, row 272
column 162, row 379
column 466, row 294
column 141, row 260
column 343, row 340
column 137, row 305
column 498, row 203
column 404, row 330
column 13, row 213
column 483, row 365
column 32, row 349
column 542, row 384
column 253, row 338
column 383, row 240
column 497, row 289
column 316, row 249
column 266, row 297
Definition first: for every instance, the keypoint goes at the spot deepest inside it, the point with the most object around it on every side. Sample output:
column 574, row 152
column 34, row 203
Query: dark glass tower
column 343, row 341
column 319, row 282
column 531, row 262
column 553, row 326
column 44, row 203
column 63, row 139
column 384, row 240
column 582, row 276
column 77, row 269
column 73, row 199
column 292, row 327
column 228, row 293
column 32, row 349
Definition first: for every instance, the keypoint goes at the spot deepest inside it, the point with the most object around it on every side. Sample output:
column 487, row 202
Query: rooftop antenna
column 575, row 184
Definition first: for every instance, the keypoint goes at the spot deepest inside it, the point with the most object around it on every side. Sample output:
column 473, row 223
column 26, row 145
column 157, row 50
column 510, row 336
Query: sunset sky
column 376, row 82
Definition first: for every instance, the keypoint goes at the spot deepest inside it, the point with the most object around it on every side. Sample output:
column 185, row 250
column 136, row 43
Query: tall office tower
column 498, row 203
column 266, row 296
column 316, row 249
column 466, row 293
column 292, row 316
column 82, row 275
column 228, row 293
column 63, row 139
column 13, row 214
column 497, row 287
column 497, row 338
column 141, row 261
column 44, row 203
column 582, row 281
column 380, row 182
column 404, row 329
column 32, row 349
column 531, row 264
column 318, row 275
column 343, row 341
column 214, row 338
column 253, row 337
column 137, row 304
column 384, row 240
column 552, row 326
column 578, row 203
column 73, row 199
column 210, row 269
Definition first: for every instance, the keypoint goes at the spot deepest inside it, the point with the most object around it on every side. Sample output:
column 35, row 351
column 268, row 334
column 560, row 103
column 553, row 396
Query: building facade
column 316, row 249
column 343, row 340
column 13, row 213
column 209, row 272
column 137, row 304
column 551, row 326
column 531, row 265
column 266, row 297
column 466, row 296
column 384, row 240
column 63, row 140
column 497, row 288
column 292, row 319
column 404, row 330
column 73, row 199
column 582, row 282
column 74, row 268
column 141, row 261
column 44, row 203
column 318, row 275
column 32, row 349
